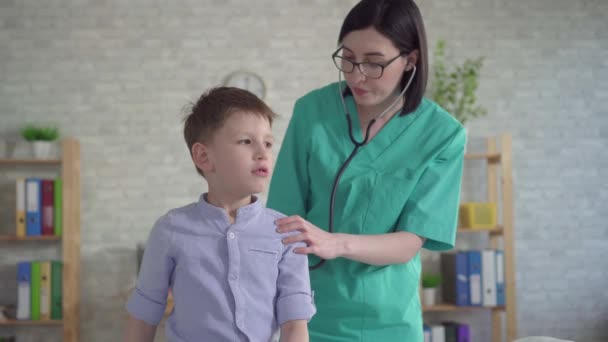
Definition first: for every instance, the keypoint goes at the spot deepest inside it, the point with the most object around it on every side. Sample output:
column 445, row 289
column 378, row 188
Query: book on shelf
column 56, row 290
column 47, row 194
column 39, row 290
column 446, row 332
column 20, row 206
column 35, row 292
column 488, row 277
column 38, row 207
column 475, row 286
column 33, row 202
column 426, row 329
column 24, row 271
column 455, row 285
column 58, row 207
column 500, row 278
column 437, row 333
column 456, row 332
column 45, row 290
column 473, row 278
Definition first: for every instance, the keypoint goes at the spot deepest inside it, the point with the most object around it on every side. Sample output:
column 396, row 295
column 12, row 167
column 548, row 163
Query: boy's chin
column 256, row 189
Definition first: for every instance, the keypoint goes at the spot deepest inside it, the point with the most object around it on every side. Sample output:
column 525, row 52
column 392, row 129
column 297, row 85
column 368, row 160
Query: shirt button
column 234, row 277
column 231, row 235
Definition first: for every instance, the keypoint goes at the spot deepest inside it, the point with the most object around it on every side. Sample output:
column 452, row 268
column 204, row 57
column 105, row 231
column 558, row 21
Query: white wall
column 117, row 74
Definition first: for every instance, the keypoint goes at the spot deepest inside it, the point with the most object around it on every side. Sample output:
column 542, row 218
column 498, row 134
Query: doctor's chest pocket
column 260, row 261
column 390, row 192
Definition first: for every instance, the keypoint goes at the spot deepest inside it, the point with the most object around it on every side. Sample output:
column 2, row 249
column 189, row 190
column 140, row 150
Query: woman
column 399, row 191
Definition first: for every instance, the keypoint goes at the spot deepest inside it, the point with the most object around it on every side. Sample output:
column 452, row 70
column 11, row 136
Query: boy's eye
column 245, row 141
column 268, row 144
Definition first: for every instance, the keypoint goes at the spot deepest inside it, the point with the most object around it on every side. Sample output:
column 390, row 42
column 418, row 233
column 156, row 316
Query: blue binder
column 462, row 279
column 427, row 333
column 475, row 284
column 24, row 270
column 500, row 278
column 33, row 207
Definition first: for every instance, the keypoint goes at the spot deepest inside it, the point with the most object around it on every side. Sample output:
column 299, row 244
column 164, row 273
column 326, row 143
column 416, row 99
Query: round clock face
column 248, row 81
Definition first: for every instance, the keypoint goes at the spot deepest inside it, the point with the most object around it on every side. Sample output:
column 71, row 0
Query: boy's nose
column 261, row 154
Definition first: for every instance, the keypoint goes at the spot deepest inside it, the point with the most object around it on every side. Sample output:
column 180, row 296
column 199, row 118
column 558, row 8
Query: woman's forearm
column 383, row 249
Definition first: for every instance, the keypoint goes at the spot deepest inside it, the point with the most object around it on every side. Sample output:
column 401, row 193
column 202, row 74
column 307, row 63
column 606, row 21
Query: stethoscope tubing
column 357, row 147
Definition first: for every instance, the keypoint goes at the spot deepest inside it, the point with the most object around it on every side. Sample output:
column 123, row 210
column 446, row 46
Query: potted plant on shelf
column 454, row 87
column 41, row 138
column 430, row 283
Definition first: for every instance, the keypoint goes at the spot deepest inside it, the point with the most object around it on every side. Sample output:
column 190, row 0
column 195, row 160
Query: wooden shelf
column 30, row 161
column 30, row 238
column 69, row 242
column 490, row 157
column 492, row 231
column 450, row 307
column 498, row 173
column 41, row 322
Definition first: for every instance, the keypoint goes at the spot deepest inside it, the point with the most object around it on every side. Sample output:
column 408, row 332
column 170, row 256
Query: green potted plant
column 454, row 87
column 430, row 283
column 41, row 138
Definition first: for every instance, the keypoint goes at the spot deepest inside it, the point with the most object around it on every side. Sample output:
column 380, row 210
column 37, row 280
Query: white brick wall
column 117, row 74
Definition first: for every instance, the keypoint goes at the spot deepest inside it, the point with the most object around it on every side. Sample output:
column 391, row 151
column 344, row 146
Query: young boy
column 231, row 277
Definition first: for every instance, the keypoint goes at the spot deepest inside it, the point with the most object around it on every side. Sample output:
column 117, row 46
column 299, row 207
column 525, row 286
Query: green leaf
column 454, row 86
column 431, row 280
column 39, row 133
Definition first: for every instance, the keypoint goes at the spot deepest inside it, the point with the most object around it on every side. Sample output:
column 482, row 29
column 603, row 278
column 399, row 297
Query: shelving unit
column 70, row 238
column 499, row 182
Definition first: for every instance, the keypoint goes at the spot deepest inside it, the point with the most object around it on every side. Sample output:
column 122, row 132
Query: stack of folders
column 473, row 278
column 39, row 207
column 446, row 332
column 39, row 290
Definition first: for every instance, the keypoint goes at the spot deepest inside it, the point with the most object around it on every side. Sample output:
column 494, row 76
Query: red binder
column 48, row 197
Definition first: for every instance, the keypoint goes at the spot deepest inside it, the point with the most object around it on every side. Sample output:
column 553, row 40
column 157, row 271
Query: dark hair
column 212, row 109
column 401, row 22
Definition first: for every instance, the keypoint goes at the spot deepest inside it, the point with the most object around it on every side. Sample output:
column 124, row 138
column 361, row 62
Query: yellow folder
column 45, row 290
column 20, row 206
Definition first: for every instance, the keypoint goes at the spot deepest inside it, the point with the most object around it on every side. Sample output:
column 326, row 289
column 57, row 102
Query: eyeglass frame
column 358, row 64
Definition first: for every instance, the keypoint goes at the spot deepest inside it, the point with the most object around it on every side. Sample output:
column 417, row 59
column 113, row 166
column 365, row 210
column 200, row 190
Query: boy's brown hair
column 212, row 109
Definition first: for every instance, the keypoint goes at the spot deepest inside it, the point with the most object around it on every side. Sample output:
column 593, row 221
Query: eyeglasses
column 369, row 69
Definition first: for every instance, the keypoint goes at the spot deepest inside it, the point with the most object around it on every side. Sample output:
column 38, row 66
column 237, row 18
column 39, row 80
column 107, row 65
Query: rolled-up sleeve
column 294, row 299
column 148, row 300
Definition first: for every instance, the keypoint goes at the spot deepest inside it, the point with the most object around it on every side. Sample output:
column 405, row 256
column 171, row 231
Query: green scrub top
column 407, row 178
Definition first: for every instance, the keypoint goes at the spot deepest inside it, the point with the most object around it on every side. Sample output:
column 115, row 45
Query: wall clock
column 247, row 80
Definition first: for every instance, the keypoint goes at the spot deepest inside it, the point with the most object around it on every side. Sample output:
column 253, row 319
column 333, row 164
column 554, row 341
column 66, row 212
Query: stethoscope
column 357, row 146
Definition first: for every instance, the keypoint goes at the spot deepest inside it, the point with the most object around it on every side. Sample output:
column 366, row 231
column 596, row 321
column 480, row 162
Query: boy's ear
column 201, row 158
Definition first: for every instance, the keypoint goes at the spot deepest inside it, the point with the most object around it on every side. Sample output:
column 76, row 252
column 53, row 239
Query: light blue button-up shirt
column 230, row 282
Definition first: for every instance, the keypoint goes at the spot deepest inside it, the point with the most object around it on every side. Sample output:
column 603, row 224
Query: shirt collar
column 243, row 214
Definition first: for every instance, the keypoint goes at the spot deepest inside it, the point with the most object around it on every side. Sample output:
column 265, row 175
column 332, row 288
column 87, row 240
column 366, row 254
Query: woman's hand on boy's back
column 318, row 241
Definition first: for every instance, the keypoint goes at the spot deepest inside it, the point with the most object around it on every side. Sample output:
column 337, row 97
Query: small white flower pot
column 428, row 296
column 42, row 149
